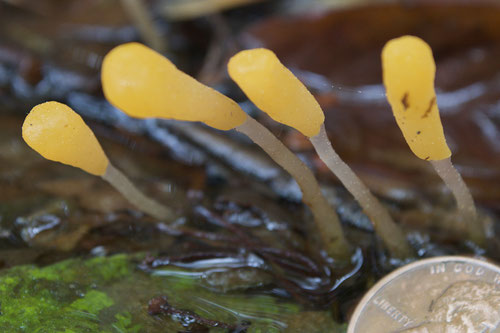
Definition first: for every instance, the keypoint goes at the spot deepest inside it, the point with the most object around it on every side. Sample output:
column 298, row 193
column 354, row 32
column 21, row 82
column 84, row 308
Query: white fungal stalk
column 326, row 219
column 123, row 185
column 465, row 203
column 385, row 227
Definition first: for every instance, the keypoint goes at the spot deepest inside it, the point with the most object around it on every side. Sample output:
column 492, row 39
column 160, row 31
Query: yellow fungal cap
column 59, row 134
column 275, row 90
column 145, row 84
column 408, row 72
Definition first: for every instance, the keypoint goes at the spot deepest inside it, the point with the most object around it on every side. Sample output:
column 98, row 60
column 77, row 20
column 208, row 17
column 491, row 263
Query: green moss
column 58, row 272
column 124, row 324
column 93, row 302
column 58, row 298
column 105, row 269
column 102, row 269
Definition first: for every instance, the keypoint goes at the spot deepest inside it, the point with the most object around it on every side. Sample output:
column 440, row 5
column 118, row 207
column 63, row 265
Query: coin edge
column 373, row 290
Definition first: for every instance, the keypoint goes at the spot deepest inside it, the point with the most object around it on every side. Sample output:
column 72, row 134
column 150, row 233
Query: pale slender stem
column 326, row 218
column 465, row 203
column 141, row 18
column 385, row 227
column 123, row 185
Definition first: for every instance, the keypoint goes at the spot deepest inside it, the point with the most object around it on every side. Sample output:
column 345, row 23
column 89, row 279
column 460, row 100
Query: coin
column 442, row 294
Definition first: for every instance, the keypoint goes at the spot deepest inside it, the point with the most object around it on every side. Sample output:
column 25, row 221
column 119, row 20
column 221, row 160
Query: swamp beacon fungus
column 275, row 90
column 59, row 134
column 145, row 84
column 408, row 74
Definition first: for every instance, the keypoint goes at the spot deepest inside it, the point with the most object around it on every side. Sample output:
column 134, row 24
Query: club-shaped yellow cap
column 145, row 84
column 408, row 73
column 275, row 90
column 59, row 134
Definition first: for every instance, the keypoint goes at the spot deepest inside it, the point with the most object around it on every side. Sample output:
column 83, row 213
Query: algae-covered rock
column 109, row 294
column 65, row 297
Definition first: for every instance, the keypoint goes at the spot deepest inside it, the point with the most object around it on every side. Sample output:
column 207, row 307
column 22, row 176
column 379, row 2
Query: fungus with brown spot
column 408, row 72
